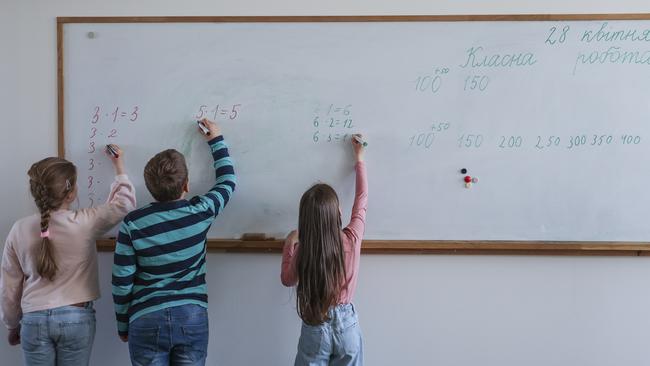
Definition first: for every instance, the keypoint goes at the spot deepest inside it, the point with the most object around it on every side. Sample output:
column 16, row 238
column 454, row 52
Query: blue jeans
column 172, row 336
column 61, row 336
column 337, row 342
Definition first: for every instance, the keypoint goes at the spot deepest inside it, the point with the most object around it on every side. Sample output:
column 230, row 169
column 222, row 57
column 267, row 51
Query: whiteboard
column 550, row 116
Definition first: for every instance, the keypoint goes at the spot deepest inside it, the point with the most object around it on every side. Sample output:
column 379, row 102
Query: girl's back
column 73, row 236
column 49, row 276
column 322, row 259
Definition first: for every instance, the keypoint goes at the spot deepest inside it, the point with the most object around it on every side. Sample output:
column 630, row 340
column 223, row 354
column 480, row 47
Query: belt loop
column 339, row 317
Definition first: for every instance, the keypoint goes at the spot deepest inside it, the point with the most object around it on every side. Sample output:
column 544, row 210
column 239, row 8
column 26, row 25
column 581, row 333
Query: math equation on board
column 218, row 112
column 473, row 73
column 332, row 123
column 104, row 127
column 479, row 67
column 112, row 124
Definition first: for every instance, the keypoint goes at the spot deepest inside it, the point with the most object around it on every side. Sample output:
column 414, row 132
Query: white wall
column 415, row 310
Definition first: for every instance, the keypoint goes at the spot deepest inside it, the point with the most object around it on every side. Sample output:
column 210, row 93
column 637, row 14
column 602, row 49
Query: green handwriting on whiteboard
column 476, row 57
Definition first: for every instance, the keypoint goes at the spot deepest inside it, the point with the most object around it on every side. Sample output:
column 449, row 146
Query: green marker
column 358, row 140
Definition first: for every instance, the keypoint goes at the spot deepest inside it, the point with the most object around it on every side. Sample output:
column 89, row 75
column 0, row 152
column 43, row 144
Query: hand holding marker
column 208, row 129
column 112, row 150
column 358, row 146
column 358, row 140
column 117, row 158
column 203, row 128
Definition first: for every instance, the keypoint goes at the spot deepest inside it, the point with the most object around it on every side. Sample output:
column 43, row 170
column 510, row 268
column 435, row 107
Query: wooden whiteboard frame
column 373, row 246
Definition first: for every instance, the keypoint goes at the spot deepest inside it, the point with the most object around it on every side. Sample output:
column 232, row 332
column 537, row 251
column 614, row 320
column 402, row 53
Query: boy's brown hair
column 165, row 174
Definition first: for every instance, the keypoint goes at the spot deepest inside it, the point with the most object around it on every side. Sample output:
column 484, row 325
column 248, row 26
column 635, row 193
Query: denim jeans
column 172, row 336
column 61, row 336
column 337, row 342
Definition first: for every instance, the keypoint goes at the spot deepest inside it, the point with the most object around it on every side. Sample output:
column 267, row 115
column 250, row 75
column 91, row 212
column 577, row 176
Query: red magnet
column 468, row 179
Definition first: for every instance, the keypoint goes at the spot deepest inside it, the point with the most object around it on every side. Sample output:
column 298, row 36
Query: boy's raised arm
column 219, row 195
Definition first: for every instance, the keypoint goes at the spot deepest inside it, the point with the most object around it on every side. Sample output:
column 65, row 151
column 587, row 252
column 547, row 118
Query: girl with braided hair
column 48, row 275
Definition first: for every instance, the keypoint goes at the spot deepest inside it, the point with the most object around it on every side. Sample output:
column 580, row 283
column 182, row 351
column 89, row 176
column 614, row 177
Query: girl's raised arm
column 357, row 224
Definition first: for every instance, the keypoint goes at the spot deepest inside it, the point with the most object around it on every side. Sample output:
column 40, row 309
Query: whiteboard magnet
column 468, row 185
column 468, row 179
column 463, row 171
column 474, row 180
column 90, row 35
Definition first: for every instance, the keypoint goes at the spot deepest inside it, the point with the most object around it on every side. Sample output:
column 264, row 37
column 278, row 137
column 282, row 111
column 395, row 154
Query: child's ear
column 186, row 186
column 70, row 197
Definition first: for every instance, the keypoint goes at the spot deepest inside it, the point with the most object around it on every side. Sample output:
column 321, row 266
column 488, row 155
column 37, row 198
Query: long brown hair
column 320, row 263
column 50, row 180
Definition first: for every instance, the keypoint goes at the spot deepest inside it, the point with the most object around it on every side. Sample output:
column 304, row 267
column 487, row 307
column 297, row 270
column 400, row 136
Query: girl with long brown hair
column 48, row 277
column 322, row 260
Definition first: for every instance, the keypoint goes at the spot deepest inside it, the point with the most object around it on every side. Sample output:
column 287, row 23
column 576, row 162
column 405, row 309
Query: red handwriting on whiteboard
column 104, row 126
column 115, row 114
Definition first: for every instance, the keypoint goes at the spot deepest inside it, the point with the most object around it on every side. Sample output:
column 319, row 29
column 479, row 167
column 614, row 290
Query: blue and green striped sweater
column 159, row 259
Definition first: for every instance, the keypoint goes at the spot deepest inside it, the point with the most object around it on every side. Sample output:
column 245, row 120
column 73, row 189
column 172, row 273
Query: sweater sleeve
column 124, row 267
column 357, row 225
column 217, row 198
column 11, row 285
column 120, row 201
column 288, row 274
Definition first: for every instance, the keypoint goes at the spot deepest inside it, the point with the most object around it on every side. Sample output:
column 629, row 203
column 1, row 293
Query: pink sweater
column 351, row 237
column 72, row 235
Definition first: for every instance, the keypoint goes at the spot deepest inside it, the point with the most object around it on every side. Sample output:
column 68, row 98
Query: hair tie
column 68, row 186
column 45, row 234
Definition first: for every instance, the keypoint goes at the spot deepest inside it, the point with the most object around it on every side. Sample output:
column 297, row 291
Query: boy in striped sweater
column 159, row 286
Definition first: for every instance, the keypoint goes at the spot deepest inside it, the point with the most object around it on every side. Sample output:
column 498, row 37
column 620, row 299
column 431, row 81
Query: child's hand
column 124, row 338
column 118, row 161
column 358, row 148
column 14, row 336
column 292, row 238
column 212, row 128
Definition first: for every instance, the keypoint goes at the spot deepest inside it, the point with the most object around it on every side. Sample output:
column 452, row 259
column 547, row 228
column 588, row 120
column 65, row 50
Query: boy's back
column 160, row 254
column 168, row 241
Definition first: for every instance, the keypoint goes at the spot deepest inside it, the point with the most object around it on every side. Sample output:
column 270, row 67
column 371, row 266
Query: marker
column 203, row 128
column 112, row 151
column 360, row 141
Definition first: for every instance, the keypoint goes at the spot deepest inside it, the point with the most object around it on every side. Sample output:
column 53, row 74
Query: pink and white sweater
column 73, row 235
